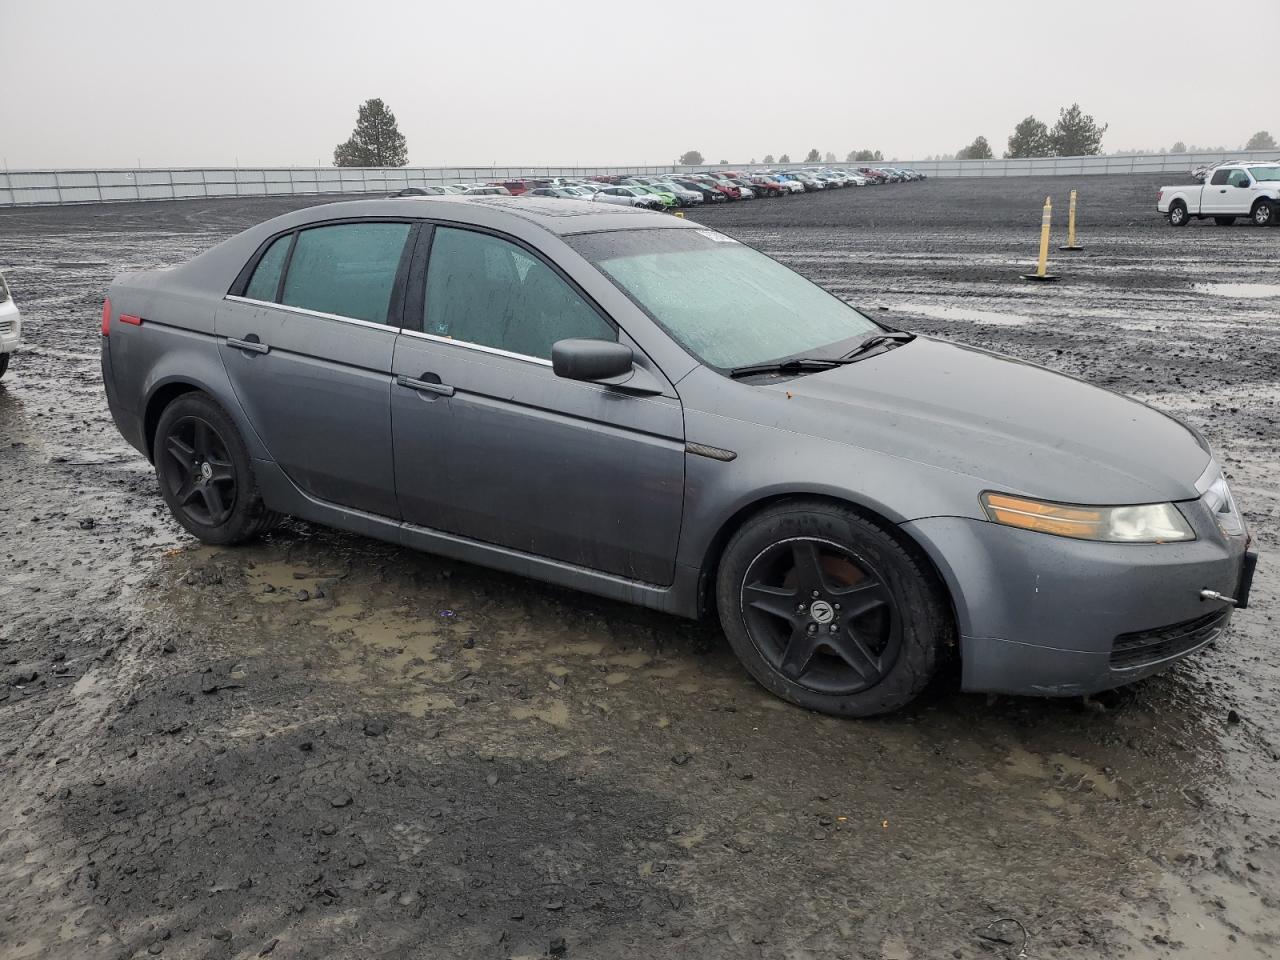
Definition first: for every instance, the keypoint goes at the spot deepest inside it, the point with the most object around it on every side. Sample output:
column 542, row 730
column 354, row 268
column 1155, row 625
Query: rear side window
column 347, row 269
column 487, row 291
column 1219, row 178
column 266, row 276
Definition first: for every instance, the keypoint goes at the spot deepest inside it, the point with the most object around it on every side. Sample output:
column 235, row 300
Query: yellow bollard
column 680, row 214
column 1041, row 270
column 1071, row 226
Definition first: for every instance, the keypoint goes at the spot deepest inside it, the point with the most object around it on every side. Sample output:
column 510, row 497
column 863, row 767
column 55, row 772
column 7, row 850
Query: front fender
column 770, row 463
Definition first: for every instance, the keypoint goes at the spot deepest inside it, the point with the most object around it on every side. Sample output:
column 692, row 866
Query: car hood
column 1015, row 426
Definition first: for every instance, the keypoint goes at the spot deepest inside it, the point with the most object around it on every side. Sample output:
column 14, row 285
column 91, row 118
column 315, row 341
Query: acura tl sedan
column 640, row 407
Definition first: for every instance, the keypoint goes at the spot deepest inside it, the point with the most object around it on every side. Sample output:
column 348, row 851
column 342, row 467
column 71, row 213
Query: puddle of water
column 967, row 314
column 1249, row 291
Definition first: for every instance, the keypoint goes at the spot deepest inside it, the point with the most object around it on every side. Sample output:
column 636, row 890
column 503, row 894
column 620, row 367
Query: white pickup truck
column 1231, row 190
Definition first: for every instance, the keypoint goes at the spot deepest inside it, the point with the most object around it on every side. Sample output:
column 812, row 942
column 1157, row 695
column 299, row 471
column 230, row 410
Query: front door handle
column 425, row 385
column 250, row 343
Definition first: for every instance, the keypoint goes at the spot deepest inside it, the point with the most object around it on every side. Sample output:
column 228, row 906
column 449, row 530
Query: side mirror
column 593, row 360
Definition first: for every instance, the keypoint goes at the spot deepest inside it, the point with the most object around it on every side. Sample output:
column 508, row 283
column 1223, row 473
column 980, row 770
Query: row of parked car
column 668, row 191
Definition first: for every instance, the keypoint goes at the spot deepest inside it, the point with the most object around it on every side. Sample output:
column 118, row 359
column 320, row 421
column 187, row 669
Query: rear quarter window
column 265, row 283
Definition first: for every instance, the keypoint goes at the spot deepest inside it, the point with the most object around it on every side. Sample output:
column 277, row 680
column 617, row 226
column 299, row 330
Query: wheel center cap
column 206, row 471
column 821, row 611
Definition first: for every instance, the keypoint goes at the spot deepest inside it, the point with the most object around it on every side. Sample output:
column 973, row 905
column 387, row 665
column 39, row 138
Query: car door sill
column 281, row 493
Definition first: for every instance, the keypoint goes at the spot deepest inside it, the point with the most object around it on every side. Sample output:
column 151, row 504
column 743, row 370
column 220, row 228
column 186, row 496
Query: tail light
column 1159, row 194
column 106, row 317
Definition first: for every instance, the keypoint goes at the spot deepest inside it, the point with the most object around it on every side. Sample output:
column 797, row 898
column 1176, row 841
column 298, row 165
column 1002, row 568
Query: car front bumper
column 1051, row 616
column 10, row 327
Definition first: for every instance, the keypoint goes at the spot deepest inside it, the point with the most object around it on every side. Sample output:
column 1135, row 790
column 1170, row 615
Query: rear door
column 491, row 445
column 307, row 341
column 1215, row 196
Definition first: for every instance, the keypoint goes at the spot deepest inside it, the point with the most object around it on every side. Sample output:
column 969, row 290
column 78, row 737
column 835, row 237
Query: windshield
column 1265, row 173
column 724, row 302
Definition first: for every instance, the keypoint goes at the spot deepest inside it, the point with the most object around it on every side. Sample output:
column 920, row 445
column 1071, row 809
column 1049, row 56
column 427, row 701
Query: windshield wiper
column 794, row 365
column 877, row 340
column 803, row 364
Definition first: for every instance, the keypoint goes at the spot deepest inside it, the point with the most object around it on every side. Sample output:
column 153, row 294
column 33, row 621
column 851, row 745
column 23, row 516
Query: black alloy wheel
column 821, row 616
column 205, row 473
column 201, row 478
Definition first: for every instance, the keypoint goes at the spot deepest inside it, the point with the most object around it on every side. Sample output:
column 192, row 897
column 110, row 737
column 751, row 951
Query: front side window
column 347, row 269
column 266, row 275
column 1238, row 178
column 487, row 291
column 724, row 302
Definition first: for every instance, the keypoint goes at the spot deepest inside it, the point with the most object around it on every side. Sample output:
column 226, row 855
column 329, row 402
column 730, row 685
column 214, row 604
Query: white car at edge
column 10, row 326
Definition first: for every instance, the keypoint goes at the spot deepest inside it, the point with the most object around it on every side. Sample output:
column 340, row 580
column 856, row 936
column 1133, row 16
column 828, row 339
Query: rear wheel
column 1264, row 213
column 205, row 474
column 1224, row 221
column 1178, row 214
column 827, row 610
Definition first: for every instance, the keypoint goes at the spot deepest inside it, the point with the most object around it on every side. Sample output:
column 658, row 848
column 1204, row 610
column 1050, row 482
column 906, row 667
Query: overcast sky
column 277, row 82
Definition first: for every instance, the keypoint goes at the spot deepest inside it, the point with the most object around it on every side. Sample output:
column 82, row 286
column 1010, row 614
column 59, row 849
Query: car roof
column 560, row 216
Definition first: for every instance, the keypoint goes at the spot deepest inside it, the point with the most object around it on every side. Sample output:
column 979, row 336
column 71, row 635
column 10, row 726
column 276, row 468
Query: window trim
column 234, row 298
column 399, row 285
column 416, row 297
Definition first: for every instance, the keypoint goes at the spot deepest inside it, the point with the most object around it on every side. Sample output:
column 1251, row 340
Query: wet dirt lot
column 325, row 746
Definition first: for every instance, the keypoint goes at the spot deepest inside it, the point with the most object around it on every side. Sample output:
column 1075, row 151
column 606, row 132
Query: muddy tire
column 827, row 610
column 4, row 363
column 1263, row 214
column 1178, row 216
column 205, row 474
column 1224, row 221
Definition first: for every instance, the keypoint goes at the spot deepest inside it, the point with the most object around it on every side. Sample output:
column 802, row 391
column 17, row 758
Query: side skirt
column 280, row 493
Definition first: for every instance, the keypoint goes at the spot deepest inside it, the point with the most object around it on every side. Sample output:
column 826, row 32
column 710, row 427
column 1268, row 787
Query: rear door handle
column 253, row 345
column 443, row 389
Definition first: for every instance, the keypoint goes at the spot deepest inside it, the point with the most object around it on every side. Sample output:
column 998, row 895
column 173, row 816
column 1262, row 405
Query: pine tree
column 1076, row 134
column 1030, row 139
column 375, row 142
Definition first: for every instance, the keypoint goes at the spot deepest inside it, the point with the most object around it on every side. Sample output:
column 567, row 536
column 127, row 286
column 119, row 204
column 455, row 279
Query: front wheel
column 205, row 474
column 827, row 610
column 1264, row 214
column 4, row 363
column 1224, row 221
column 1178, row 214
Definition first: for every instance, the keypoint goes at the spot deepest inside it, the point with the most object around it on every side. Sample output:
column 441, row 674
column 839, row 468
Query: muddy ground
column 326, row 746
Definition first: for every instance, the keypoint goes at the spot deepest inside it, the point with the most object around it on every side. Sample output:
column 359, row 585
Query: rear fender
column 192, row 360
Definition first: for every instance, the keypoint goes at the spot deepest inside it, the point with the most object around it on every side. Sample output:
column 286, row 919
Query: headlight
column 1142, row 523
column 1222, row 505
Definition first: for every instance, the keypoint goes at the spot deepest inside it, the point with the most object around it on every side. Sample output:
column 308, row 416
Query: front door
column 308, row 346
column 491, row 445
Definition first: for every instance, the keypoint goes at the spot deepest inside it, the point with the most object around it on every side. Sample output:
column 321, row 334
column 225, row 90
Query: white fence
column 1168, row 163
column 26, row 187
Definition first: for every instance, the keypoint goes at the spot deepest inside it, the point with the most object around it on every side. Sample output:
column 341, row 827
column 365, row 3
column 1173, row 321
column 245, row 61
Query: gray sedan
column 646, row 409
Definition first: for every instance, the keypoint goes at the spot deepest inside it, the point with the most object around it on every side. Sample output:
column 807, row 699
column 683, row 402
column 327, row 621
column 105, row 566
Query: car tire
column 1263, row 214
column 1224, row 221
column 1178, row 216
column 782, row 581
column 205, row 473
column 4, row 363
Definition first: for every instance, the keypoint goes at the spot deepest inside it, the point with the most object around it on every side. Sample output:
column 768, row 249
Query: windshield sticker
column 717, row 237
